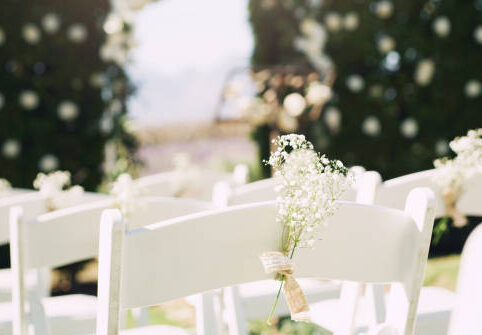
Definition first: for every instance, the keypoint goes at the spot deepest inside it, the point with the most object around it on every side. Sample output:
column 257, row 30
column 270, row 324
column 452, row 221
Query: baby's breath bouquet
column 55, row 188
column 452, row 174
column 310, row 185
column 127, row 194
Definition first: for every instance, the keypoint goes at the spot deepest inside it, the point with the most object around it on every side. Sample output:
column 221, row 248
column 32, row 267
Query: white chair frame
column 465, row 318
column 210, row 250
column 392, row 193
column 33, row 205
column 70, row 235
column 237, row 307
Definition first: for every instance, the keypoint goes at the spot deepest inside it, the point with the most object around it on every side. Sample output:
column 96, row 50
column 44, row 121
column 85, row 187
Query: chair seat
column 433, row 313
column 6, row 281
column 258, row 297
column 68, row 314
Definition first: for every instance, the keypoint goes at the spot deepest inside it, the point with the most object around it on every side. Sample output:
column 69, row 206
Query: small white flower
column 28, row 99
column 286, row 122
column 333, row 119
column 126, row 193
column 318, row 94
column 473, row 88
column 115, row 107
column 294, row 104
column 53, row 188
column 51, row 23
column 312, row 28
column 409, row 128
column 453, row 173
column 441, row 26
column 2, row 37
column 384, row 9
column 116, row 47
column 256, row 110
column 106, row 124
column 386, row 44
column 11, row 148
column 67, row 110
column 5, row 187
column 371, row 126
column 309, row 186
column 51, row 184
column 48, row 163
column 351, row 21
column 441, row 147
column 424, row 72
column 355, row 83
column 31, row 34
column 2, row 100
column 97, row 79
column 333, row 21
column 77, row 33
column 113, row 24
column 477, row 34
column 185, row 174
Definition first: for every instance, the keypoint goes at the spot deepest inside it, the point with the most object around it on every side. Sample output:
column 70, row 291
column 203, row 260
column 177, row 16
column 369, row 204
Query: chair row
column 81, row 223
column 142, row 265
column 250, row 301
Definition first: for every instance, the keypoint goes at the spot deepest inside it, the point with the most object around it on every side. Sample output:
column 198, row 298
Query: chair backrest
column 70, row 235
column 264, row 190
column 166, row 184
column 392, row 193
column 209, row 250
column 465, row 318
column 33, row 205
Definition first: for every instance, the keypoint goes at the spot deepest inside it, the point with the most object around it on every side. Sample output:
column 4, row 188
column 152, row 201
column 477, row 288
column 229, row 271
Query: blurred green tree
column 408, row 75
column 60, row 102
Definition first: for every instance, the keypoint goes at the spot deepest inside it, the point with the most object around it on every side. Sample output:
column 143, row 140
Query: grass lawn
column 441, row 271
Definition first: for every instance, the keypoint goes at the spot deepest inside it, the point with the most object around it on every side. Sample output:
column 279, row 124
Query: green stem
column 268, row 322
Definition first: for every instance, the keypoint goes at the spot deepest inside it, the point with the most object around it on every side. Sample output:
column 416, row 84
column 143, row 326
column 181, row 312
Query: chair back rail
column 392, row 193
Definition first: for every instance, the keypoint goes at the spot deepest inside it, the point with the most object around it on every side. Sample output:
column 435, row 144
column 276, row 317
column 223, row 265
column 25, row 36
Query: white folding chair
column 466, row 316
column 210, row 250
column 63, row 237
column 33, row 205
column 250, row 301
column 435, row 303
column 164, row 184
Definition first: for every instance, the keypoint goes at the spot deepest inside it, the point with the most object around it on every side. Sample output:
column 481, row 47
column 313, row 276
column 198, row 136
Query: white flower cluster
column 310, row 185
column 185, row 176
column 312, row 44
column 5, row 187
column 126, row 193
column 53, row 187
column 424, row 72
column 285, row 112
column 120, row 40
column 452, row 173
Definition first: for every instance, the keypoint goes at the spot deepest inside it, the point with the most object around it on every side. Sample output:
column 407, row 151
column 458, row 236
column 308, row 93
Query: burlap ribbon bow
column 451, row 197
column 279, row 263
